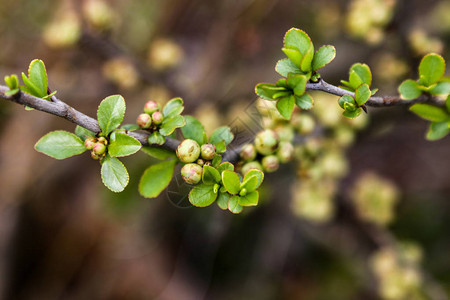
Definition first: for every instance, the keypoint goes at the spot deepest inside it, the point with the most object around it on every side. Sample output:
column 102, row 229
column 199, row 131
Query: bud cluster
column 97, row 146
column 151, row 118
column 195, row 157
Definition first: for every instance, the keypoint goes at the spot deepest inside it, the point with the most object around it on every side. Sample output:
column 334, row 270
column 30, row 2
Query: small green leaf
column 12, row 82
column 110, row 113
column 216, row 160
column 430, row 112
column 268, row 91
column 409, row 89
column 193, row 130
column 447, row 103
column 345, row 99
column 222, row 200
column 233, row 205
column 156, row 138
column 130, row 127
column 225, row 166
column 297, row 83
column 304, row 101
column 38, row 75
column 250, row 199
column 170, row 124
column 323, row 57
column 285, row 106
column 156, row 178
column 442, row 88
column 31, row 88
column 293, row 54
column 255, row 173
column 122, row 145
column 351, row 114
column 431, row 69
column 221, row 134
column 173, row 108
column 363, row 72
column 83, row 133
column 231, row 182
column 297, row 38
column 114, row 174
column 362, row 94
column 438, row 130
column 210, row 175
column 306, row 64
column 202, row 195
column 11, row 92
column 249, row 184
column 285, row 67
column 158, row 153
column 60, row 144
column 355, row 80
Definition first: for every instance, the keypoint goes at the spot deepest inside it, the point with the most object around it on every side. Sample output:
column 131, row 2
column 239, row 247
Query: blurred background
column 363, row 213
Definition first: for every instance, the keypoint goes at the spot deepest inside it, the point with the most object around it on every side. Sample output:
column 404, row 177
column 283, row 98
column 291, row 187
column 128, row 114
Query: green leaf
column 345, row 99
column 362, row 94
column 234, row 206
column 12, row 82
column 31, row 88
column 225, row 166
column 285, row 67
column 60, row 144
column 130, row 127
column 156, row 138
column 231, row 182
column 409, row 89
column 304, row 101
column 83, row 133
column 114, row 174
column 216, row 160
column 193, row 130
column 430, row 112
column 222, row 200
column 210, row 175
column 38, row 75
column 251, row 199
column 447, row 103
column 297, row 83
column 156, row 178
column 285, row 106
column 122, row 145
column 249, row 184
column 297, row 38
column 170, row 124
column 306, row 64
column 110, row 113
column 11, row 92
column 221, row 134
column 173, row 108
column 158, row 153
column 355, row 80
column 363, row 72
column 323, row 57
column 268, row 91
column 431, row 69
column 442, row 88
column 438, row 130
column 255, row 173
column 351, row 114
column 202, row 195
column 293, row 54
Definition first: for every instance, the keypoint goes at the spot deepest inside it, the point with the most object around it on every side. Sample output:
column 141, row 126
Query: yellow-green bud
column 144, row 120
column 305, row 124
column 90, row 142
column 243, row 192
column 157, row 117
column 266, row 142
column 253, row 165
column 200, row 162
column 99, row 148
column 95, row 156
column 208, row 151
column 270, row 163
column 285, row 133
column 248, row 152
column 150, row 107
column 192, row 173
column 285, row 152
column 188, row 151
column 103, row 140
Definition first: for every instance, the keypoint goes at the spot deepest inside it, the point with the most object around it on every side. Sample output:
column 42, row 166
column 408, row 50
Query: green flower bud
column 270, row 163
column 248, row 152
column 99, row 148
column 200, row 162
column 208, row 151
column 95, row 156
column 150, row 107
column 144, row 120
column 157, row 117
column 285, row 133
column 243, row 192
column 192, row 173
column 90, row 142
column 188, row 151
column 251, row 166
column 305, row 124
column 266, row 142
column 285, row 152
column 102, row 140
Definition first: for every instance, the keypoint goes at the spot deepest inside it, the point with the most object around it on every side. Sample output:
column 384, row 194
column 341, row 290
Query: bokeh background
column 379, row 232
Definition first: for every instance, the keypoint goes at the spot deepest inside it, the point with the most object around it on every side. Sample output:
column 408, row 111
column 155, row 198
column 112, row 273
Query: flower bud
column 188, row 151
column 144, row 120
column 95, row 156
column 270, row 163
column 192, row 173
column 266, row 142
column 200, row 162
column 157, row 117
column 208, row 151
column 99, row 148
column 90, row 142
column 305, row 124
column 285, row 133
column 102, row 140
column 150, row 107
column 248, row 152
column 251, row 166
column 285, row 152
